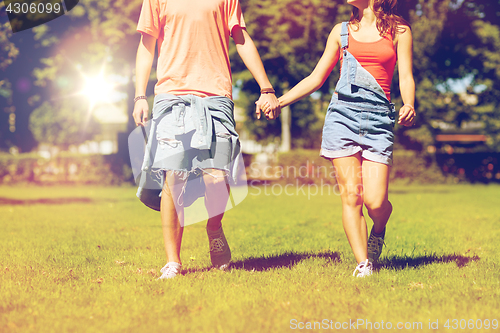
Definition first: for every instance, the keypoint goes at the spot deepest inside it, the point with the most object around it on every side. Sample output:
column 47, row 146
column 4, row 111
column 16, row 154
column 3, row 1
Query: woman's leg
column 349, row 178
column 375, row 193
column 172, row 216
column 216, row 196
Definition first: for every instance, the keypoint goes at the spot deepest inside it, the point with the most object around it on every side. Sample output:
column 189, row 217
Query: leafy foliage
column 61, row 124
column 290, row 36
column 453, row 39
column 8, row 51
column 462, row 41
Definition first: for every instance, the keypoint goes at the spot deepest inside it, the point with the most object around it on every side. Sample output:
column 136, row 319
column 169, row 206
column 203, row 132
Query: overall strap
column 344, row 35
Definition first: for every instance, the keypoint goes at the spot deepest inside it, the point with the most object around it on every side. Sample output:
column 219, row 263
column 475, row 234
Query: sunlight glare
column 97, row 89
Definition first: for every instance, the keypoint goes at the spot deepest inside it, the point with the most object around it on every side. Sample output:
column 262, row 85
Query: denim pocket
column 392, row 117
column 171, row 124
column 179, row 112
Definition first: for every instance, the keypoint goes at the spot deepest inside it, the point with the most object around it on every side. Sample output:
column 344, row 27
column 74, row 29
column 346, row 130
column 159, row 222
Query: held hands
column 269, row 104
column 141, row 111
column 407, row 115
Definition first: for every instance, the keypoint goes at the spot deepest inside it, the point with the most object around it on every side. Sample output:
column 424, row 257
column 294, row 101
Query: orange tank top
column 378, row 58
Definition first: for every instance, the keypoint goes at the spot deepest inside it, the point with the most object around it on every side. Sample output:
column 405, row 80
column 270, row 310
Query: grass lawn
column 86, row 259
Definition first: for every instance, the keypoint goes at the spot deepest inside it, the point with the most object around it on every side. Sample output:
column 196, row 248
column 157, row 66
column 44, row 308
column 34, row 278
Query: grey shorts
column 174, row 151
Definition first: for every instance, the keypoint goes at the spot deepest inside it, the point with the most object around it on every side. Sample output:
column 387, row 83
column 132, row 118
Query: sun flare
column 97, row 89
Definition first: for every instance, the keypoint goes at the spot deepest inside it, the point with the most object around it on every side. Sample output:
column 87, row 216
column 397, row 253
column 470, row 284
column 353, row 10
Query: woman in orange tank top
column 358, row 132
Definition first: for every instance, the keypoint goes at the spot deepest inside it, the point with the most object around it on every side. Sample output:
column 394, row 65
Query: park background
column 68, row 210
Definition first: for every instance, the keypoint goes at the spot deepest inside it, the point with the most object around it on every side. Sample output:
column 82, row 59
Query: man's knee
column 215, row 178
column 378, row 206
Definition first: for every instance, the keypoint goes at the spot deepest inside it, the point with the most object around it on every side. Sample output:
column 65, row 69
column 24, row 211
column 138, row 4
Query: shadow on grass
column 53, row 201
column 43, row 201
column 398, row 262
column 419, row 190
column 285, row 260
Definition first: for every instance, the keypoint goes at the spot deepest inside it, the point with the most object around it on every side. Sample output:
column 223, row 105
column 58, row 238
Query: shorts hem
column 368, row 155
column 329, row 154
column 184, row 174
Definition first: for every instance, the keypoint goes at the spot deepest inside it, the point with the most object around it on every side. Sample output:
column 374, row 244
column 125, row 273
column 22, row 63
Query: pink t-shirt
column 193, row 43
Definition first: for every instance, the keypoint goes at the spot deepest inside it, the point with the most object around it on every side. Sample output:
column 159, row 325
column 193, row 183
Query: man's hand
column 141, row 112
column 269, row 104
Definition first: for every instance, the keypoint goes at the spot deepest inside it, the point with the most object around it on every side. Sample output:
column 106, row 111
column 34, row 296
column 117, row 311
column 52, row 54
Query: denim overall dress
column 360, row 118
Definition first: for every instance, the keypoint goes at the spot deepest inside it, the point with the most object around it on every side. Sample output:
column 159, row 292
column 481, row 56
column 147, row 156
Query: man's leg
column 172, row 216
column 216, row 196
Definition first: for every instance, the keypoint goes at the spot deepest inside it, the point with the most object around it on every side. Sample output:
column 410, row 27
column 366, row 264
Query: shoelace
column 374, row 243
column 168, row 270
column 172, row 269
column 364, row 268
column 216, row 245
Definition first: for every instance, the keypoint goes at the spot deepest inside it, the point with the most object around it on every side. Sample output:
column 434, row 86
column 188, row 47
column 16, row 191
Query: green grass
column 86, row 259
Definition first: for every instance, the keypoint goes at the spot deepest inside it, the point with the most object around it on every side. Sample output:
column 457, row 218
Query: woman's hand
column 407, row 115
column 269, row 104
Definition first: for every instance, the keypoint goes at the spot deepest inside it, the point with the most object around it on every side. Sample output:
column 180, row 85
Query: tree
column 8, row 52
column 427, row 19
column 487, row 79
column 452, row 39
column 62, row 124
column 290, row 36
column 94, row 35
column 101, row 33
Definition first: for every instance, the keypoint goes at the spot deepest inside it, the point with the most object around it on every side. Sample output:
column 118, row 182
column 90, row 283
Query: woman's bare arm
column 320, row 73
column 406, row 82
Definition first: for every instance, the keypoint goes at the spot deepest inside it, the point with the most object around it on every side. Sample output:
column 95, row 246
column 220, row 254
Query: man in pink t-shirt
column 193, row 111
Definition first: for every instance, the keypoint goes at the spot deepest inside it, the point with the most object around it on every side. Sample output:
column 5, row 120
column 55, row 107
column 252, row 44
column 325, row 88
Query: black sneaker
column 220, row 253
column 375, row 244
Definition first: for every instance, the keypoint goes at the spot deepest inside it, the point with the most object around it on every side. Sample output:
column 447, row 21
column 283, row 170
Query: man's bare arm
column 143, row 63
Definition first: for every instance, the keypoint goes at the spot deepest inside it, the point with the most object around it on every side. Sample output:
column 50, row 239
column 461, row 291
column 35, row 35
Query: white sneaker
column 364, row 268
column 170, row 270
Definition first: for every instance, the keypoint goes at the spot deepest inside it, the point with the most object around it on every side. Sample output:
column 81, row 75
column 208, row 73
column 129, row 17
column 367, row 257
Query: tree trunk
column 286, row 136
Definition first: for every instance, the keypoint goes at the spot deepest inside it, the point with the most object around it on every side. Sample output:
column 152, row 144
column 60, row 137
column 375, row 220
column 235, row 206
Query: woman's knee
column 352, row 196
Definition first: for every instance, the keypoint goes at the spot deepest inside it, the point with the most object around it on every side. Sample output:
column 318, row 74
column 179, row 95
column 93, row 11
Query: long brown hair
column 388, row 20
